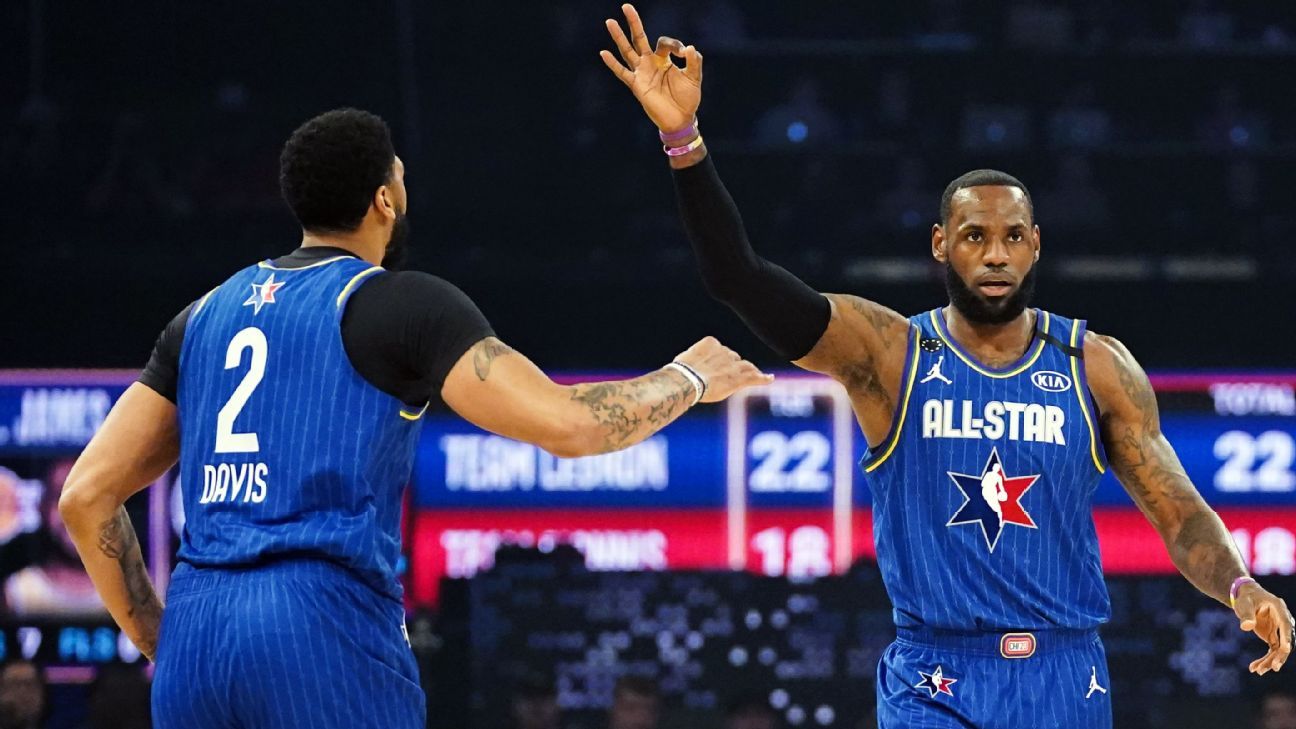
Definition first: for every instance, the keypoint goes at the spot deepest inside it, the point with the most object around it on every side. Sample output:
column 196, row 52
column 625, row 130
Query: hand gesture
column 1266, row 615
column 723, row 370
column 670, row 95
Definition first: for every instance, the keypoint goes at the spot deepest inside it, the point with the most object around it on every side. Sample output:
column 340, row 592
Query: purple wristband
column 684, row 133
column 1237, row 585
column 681, row 151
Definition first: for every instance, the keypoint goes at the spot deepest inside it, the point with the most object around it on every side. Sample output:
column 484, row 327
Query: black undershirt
column 402, row 330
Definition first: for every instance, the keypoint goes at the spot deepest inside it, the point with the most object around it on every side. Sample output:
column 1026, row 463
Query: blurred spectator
column 803, row 120
column 636, row 703
column 1277, row 710
column 1203, row 26
column 1230, row 125
column 57, row 582
column 119, row 699
column 995, row 127
column 1080, row 122
column 1074, row 201
column 30, row 153
column 534, row 705
column 1037, row 24
column 1276, row 37
column 1242, row 186
column 751, row 711
column 907, row 204
column 24, row 698
column 133, row 180
column 237, row 169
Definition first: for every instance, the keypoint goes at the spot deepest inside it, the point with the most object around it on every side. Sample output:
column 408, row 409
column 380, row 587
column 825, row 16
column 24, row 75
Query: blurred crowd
column 1154, row 137
column 865, row 112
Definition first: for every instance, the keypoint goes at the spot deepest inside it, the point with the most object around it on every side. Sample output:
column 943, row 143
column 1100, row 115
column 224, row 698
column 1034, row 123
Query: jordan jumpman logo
column 935, row 373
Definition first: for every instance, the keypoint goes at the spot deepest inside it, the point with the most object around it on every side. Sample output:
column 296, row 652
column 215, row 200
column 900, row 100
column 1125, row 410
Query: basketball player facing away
column 996, row 582
column 292, row 395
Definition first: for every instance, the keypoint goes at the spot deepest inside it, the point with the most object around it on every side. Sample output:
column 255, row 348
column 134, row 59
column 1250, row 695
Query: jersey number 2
column 227, row 441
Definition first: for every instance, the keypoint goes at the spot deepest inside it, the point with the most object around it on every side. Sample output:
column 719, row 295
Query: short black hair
column 977, row 178
column 331, row 166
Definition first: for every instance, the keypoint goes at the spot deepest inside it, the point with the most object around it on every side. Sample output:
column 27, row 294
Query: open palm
column 669, row 94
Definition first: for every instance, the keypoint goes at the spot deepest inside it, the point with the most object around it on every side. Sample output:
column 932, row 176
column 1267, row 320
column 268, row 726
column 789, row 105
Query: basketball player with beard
column 996, row 609
column 293, row 395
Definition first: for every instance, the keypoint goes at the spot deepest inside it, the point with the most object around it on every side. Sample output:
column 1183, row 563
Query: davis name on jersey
column 1031, row 422
column 245, row 482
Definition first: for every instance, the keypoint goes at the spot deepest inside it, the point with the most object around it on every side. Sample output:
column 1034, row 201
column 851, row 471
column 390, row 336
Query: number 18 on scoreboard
column 790, row 461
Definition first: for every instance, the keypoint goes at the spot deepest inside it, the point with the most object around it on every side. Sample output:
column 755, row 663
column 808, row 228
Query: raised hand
column 670, row 95
column 723, row 370
column 1265, row 614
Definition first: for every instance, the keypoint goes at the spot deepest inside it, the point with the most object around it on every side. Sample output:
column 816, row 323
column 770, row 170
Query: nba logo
column 1017, row 645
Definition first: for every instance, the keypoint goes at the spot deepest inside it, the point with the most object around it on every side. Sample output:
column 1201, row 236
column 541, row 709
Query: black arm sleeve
column 778, row 307
column 163, row 369
column 404, row 330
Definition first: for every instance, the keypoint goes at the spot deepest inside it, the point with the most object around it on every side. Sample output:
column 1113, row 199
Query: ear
column 938, row 243
column 384, row 202
column 1036, row 236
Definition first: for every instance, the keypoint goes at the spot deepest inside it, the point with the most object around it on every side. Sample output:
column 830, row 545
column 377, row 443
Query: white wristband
column 699, row 385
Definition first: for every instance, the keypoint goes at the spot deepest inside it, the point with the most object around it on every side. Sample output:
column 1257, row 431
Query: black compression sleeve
column 163, row 369
column 404, row 330
column 778, row 307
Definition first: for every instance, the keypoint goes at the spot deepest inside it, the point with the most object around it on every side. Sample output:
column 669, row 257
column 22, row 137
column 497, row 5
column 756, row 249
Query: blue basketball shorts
column 292, row 644
column 933, row 679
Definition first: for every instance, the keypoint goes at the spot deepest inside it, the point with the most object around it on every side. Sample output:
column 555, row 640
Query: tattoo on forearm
column 1199, row 544
column 618, row 406
column 1204, row 550
column 486, row 353
column 117, row 540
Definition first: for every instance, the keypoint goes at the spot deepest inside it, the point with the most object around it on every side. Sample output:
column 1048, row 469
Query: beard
column 397, row 244
column 977, row 309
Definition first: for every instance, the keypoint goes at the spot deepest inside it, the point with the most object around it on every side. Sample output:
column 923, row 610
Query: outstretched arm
column 782, row 310
column 500, row 390
column 1199, row 544
column 137, row 443
column 846, row 337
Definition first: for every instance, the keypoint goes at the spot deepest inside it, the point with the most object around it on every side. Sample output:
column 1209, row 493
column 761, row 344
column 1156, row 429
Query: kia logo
column 1050, row 381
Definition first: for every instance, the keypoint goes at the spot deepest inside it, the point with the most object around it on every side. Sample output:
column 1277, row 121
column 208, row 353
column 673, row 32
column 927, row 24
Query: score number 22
column 1273, row 450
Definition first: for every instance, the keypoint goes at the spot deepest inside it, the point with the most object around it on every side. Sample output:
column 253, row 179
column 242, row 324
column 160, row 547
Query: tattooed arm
column 498, row 389
column 1199, row 544
column 137, row 443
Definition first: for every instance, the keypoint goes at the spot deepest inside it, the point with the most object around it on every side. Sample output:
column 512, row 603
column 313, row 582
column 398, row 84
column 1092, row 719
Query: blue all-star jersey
column 982, row 492
column 285, row 449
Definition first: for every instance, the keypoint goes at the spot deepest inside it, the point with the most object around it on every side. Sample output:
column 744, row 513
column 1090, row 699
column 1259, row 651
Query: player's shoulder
column 1110, row 367
column 1106, row 351
column 415, row 283
column 414, row 294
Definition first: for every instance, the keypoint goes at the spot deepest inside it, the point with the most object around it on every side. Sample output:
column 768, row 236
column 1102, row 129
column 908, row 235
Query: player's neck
column 1009, row 339
column 367, row 247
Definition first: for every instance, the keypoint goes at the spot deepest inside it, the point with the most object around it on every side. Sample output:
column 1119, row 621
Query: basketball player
column 292, row 395
column 996, row 609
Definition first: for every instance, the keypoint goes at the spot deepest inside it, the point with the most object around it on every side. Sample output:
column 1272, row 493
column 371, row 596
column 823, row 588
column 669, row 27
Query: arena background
column 138, row 146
